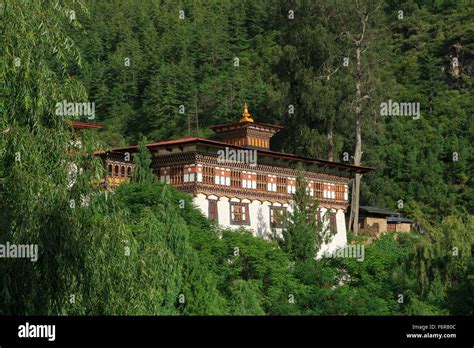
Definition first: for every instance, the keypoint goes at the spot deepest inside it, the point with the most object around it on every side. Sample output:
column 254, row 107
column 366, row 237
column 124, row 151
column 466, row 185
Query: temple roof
column 260, row 152
column 218, row 127
column 245, row 135
column 246, row 132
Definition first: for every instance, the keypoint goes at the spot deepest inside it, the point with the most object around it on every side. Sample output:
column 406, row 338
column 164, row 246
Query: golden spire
column 246, row 114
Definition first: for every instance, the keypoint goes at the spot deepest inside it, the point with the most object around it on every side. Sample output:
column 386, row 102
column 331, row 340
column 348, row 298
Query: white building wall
column 259, row 213
column 223, row 211
column 340, row 238
column 200, row 201
column 260, row 218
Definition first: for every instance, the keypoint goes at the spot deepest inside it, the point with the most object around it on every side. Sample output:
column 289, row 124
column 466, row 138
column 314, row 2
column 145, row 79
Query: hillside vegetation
column 145, row 249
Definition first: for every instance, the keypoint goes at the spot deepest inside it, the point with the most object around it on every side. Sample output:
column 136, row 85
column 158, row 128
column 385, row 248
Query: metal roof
column 397, row 219
column 376, row 210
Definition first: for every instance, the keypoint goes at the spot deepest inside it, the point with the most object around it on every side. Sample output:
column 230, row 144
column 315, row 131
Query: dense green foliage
column 303, row 235
column 45, row 198
column 145, row 249
column 296, row 62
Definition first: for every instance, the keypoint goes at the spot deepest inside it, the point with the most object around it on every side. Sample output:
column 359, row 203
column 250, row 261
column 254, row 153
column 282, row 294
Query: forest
column 320, row 68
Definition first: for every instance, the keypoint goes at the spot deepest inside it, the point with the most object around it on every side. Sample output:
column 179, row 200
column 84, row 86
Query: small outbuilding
column 374, row 221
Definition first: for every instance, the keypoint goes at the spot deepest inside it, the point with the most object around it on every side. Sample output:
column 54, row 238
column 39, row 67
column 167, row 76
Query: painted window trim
column 247, row 214
column 209, row 210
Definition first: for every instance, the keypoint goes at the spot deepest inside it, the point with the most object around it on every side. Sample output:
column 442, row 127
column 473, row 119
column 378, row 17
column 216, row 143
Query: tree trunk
column 355, row 227
column 361, row 45
column 197, row 117
column 358, row 145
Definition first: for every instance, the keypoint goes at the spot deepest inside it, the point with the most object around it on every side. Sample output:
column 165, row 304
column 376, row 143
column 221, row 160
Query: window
column 122, row 171
column 213, row 210
column 271, row 183
column 110, row 170
column 222, row 176
column 165, row 176
column 276, row 216
column 129, row 172
column 239, row 214
column 192, row 173
column 188, row 174
column 199, row 173
column 318, row 186
column 329, row 191
column 116, row 170
column 391, row 227
column 291, row 185
column 310, row 188
column 249, row 180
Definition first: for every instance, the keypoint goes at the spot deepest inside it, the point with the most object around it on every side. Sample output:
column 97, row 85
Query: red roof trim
column 76, row 124
column 161, row 143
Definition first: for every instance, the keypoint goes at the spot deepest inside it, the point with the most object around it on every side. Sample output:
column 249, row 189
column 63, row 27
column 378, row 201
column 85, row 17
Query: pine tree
column 303, row 234
column 142, row 171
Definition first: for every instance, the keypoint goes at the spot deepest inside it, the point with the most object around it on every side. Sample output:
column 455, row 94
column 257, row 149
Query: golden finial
column 246, row 114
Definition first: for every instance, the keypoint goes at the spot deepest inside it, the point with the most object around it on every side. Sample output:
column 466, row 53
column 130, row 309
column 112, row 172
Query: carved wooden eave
column 173, row 156
column 212, row 146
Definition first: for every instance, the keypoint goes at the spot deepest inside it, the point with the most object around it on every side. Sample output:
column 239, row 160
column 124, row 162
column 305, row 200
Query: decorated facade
column 238, row 181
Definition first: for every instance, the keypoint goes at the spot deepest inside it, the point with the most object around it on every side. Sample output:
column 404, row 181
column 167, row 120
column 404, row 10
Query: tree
column 303, row 235
column 47, row 197
column 367, row 14
column 179, row 280
column 246, row 298
column 142, row 171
